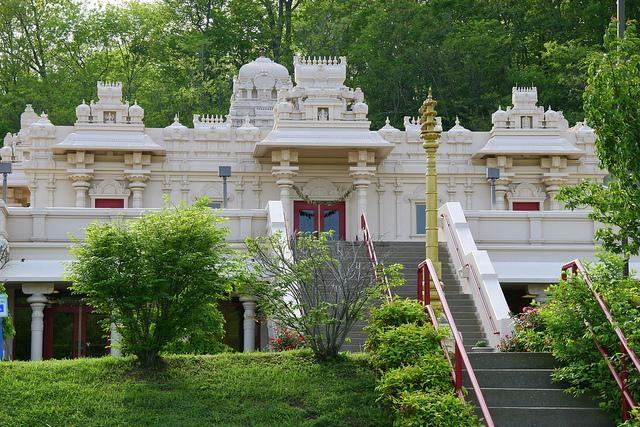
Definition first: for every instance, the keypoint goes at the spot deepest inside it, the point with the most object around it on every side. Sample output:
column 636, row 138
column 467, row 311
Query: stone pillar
column 136, row 185
column 502, row 188
column 553, row 185
column 114, row 341
column 81, row 183
column 37, row 300
column 361, row 174
column 249, row 324
column 285, row 172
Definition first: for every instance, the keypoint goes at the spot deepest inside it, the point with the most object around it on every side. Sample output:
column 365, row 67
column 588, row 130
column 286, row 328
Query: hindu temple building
column 303, row 157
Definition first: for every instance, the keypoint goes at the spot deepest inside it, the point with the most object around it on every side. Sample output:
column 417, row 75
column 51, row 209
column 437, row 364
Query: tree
column 319, row 288
column 612, row 110
column 156, row 276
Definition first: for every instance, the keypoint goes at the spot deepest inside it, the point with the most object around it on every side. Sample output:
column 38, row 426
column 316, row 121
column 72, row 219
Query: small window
column 109, row 203
column 526, row 206
column 215, row 205
column 421, row 218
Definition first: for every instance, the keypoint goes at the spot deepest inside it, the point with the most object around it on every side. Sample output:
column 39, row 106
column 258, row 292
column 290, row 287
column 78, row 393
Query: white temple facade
column 303, row 156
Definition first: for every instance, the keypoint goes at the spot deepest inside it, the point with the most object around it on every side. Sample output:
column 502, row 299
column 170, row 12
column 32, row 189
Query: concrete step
column 512, row 361
column 549, row 417
column 532, row 397
column 513, row 378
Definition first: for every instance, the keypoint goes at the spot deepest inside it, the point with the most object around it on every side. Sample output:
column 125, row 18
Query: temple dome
column 261, row 65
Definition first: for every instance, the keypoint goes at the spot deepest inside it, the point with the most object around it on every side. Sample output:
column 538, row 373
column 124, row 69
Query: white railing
column 476, row 273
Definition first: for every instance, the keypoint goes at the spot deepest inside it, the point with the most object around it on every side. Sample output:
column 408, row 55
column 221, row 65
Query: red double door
column 309, row 218
column 71, row 331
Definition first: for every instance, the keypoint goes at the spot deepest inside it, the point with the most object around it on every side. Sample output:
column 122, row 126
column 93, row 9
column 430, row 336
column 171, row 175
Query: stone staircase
column 517, row 387
column 518, row 390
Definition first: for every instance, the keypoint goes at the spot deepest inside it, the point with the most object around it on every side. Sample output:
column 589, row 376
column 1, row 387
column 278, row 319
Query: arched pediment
column 321, row 189
column 527, row 191
column 111, row 188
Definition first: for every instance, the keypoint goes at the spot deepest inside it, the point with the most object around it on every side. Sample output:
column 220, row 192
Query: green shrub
column 431, row 374
column 406, row 345
column 419, row 409
column 391, row 314
column 572, row 344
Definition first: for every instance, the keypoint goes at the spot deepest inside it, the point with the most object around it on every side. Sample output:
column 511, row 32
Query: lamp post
column 224, row 172
column 621, row 18
column 492, row 175
column 430, row 137
column 5, row 169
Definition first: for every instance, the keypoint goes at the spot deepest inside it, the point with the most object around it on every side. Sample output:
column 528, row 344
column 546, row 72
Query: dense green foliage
column 405, row 345
column 158, row 278
column 274, row 389
column 180, row 56
column 612, row 109
column 418, row 409
column 415, row 378
column 570, row 304
column 319, row 288
column 431, row 373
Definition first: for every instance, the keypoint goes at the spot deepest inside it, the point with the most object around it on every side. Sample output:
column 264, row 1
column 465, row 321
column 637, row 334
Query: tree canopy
column 176, row 56
column 612, row 110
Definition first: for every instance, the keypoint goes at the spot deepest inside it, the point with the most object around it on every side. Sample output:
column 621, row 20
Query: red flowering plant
column 286, row 339
column 529, row 333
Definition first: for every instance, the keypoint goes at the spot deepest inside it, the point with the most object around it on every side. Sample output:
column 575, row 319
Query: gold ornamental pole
column 430, row 137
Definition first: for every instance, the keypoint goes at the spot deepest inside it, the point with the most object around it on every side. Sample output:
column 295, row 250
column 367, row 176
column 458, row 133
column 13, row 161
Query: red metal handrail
column 427, row 275
column 627, row 403
column 481, row 291
column 371, row 252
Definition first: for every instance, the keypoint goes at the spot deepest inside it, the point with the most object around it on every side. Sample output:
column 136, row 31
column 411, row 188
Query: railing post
column 458, row 368
column 624, row 374
column 427, row 285
column 419, row 282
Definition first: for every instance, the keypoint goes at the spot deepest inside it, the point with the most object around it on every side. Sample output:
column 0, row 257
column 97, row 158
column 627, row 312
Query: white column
column 137, row 186
column 249, row 324
column 362, row 175
column 37, row 302
column 114, row 341
column 81, row 183
column 285, row 175
column 553, row 185
column 502, row 188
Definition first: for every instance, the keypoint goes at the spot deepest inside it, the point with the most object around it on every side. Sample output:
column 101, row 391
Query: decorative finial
column 263, row 52
column 428, row 121
column 176, row 118
column 457, row 121
column 387, row 121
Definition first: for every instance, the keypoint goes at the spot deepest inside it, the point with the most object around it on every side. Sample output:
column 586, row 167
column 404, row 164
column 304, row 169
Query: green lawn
column 260, row 389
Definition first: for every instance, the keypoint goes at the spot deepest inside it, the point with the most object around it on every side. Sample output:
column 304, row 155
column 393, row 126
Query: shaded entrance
column 309, row 218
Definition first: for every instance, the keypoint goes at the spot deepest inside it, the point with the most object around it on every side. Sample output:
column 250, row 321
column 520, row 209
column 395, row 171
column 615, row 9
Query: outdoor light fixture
column 492, row 175
column 5, row 169
column 224, row 172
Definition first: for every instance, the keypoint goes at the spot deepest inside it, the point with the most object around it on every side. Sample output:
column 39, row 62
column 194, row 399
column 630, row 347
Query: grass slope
column 269, row 389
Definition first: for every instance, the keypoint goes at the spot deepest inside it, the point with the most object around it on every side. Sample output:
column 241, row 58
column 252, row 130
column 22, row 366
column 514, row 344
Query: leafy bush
column 529, row 333
column 391, row 314
column 406, row 345
column 155, row 276
column 570, row 303
column 431, row 374
column 419, row 409
column 286, row 339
